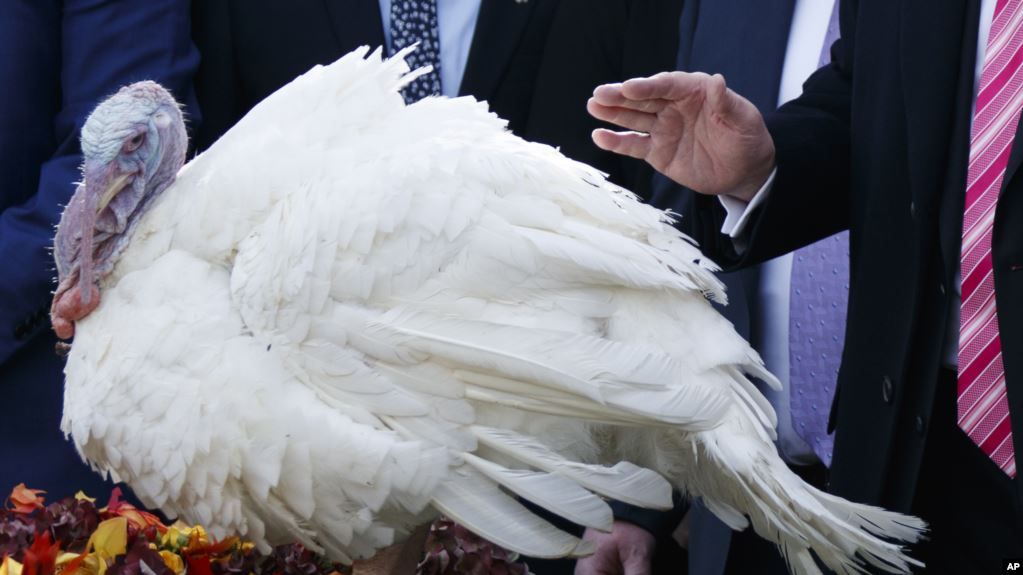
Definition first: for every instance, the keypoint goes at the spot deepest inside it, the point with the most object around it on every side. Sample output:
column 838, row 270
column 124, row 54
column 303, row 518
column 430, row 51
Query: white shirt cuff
column 738, row 212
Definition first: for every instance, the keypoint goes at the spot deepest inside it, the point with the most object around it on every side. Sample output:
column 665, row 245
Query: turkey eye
column 134, row 143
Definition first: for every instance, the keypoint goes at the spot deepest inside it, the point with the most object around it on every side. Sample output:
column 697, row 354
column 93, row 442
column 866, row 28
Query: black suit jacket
column 878, row 144
column 595, row 42
column 250, row 48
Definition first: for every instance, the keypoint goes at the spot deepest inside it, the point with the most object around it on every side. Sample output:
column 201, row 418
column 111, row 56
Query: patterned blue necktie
column 416, row 21
column 817, row 309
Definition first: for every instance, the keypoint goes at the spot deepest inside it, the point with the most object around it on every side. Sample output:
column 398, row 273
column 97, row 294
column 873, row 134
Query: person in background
column 909, row 140
column 592, row 43
column 250, row 48
column 58, row 59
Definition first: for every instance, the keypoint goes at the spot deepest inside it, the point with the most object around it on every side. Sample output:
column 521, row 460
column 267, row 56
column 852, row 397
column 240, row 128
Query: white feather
column 477, row 504
column 624, row 482
column 555, row 493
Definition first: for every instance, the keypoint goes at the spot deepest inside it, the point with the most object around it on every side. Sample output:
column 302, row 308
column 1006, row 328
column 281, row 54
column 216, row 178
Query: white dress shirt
column 738, row 212
column 456, row 22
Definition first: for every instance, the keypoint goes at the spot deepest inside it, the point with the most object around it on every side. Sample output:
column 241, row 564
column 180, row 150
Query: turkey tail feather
column 799, row 518
column 625, row 482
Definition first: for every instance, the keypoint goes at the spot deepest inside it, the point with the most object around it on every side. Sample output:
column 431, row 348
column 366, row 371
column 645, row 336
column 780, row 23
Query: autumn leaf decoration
column 24, row 500
column 74, row 537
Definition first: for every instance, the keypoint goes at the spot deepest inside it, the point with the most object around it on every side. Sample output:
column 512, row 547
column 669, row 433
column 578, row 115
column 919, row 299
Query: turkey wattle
column 350, row 314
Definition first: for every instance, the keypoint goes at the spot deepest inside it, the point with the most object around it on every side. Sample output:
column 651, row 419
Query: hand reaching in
column 691, row 128
column 627, row 550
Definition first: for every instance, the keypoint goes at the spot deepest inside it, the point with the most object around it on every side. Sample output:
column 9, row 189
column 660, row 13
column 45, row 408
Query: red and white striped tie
column 983, row 407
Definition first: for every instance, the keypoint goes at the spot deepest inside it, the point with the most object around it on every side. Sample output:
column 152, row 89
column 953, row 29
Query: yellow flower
column 10, row 566
column 181, row 536
column 78, row 565
column 109, row 540
column 89, row 565
column 173, row 538
column 173, row 562
column 83, row 497
column 197, row 536
column 64, row 558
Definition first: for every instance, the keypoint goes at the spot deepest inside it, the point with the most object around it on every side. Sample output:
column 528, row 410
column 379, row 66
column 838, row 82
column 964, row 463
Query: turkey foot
column 398, row 559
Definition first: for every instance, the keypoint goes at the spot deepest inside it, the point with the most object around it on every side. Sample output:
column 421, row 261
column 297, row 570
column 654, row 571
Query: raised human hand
column 691, row 128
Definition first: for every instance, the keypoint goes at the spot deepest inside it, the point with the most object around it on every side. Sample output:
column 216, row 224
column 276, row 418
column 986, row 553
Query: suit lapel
column 945, row 141
column 355, row 23
column 499, row 28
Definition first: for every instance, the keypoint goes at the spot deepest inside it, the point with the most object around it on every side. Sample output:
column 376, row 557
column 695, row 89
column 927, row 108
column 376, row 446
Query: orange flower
column 25, row 500
column 117, row 507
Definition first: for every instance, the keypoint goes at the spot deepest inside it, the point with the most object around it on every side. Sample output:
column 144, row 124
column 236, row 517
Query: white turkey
column 351, row 314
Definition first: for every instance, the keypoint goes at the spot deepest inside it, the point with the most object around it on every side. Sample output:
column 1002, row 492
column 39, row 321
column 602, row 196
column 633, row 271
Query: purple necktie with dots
column 817, row 309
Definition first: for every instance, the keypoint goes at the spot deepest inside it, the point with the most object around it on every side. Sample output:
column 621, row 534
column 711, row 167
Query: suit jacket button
column 918, row 424
column 912, row 209
column 941, row 288
column 887, row 389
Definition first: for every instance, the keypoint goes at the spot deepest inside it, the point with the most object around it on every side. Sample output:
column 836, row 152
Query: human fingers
column 624, row 117
column 670, row 86
column 633, row 144
column 611, row 95
column 719, row 99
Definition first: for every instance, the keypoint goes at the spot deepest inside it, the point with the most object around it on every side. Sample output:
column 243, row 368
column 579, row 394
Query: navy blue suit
column 57, row 60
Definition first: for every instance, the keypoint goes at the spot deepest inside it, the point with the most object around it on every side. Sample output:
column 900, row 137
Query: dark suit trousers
column 973, row 508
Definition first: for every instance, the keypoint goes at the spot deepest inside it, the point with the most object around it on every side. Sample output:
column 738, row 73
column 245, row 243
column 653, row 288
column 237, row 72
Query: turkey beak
column 101, row 187
column 111, row 190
